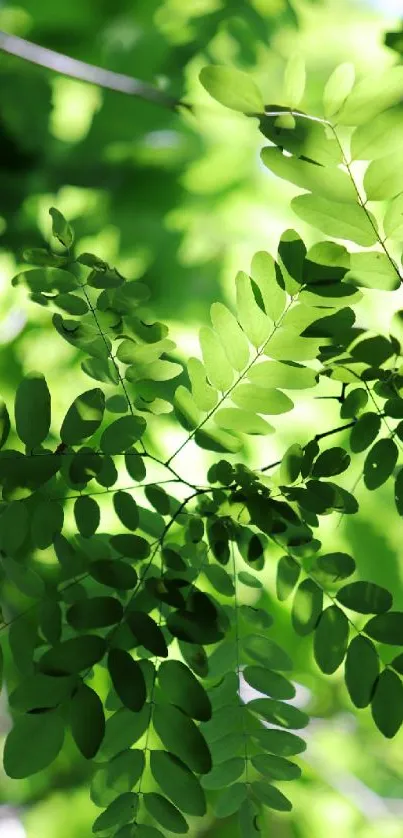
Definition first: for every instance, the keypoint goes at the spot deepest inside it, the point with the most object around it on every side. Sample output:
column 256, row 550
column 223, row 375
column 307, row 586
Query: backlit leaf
column 265, row 274
column 373, row 270
column 261, row 400
column 83, row 417
column 342, row 221
column 122, row 434
column 232, row 88
column 256, row 325
column 337, row 88
column 288, row 571
column 306, row 607
column 384, row 178
column 231, row 336
column 332, row 184
column 294, row 81
column 218, row 368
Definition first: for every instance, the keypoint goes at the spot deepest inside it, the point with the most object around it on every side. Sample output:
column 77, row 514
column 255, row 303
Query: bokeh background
column 183, row 201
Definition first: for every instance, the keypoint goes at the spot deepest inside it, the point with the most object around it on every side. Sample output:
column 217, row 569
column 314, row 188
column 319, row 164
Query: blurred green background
column 183, row 201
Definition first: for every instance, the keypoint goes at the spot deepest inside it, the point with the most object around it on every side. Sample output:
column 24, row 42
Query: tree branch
column 59, row 63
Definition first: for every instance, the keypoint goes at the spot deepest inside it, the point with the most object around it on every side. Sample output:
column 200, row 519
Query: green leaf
column 95, row 612
column 87, row 720
column 102, row 369
column 387, row 703
column 180, row 736
column 178, row 783
column 47, row 279
column 230, row 800
column 337, row 88
column 242, row 421
column 288, row 571
column 306, row 607
column 377, row 137
column 261, row 400
column 73, row 655
column 365, row 432
column 286, row 345
column 60, row 228
column 120, row 811
column 379, row 463
column 128, row 679
column 394, row 408
column 278, row 713
column 270, row 796
column 40, row 691
column 331, row 462
column 393, row 219
column 224, row 773
column 71, row 303
column 294, row 81
column 203, row 393
column 218, row 368
column 50, row 620
column 373, row 94
column 291, row 464
column 83, row 417
column 361, row 670
column 126, row 509
column 123, row 729
column 342, row 221
column 276, row 767
column 23, row 577
column 132, row 546
column 355, row 401
column 32, row 744
column 47, row 522
column 232, row 88
column 331, row 639
column 256, row 325
column 330, row 183
column 181, row 687
column 373, row 270
column 122, row 434
column 32, row 410
column 114, row 573
column 5, row 424
column 399, row 492
column 87, row 515
column 266, row 652
column 117, row 776
column 365, row 598
column 280, row 742
column 231, row 336
column 14, row 526
column 338, row 565
column 186, row 409
column 135, row 464
column 158, row 498
column 268, row 682
column 286, row 375
column 384, row 178
column 265, row 274
column 220, row 579
column 147, row 633
column 248, row 819
column 249, row 579
column 386, row 628
column 167, row 815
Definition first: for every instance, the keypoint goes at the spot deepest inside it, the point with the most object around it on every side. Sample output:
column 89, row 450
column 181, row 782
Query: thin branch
column 67, row 66
column 316, row 438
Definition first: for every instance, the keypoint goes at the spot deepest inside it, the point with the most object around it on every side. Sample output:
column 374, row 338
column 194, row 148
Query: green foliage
column 172, row 732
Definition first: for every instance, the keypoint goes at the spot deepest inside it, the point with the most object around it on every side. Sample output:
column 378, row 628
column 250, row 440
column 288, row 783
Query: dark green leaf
column 331, row 462
column 280, row 742
column 278, row 713
column 380, row 462
column 73, row 655
column 387, row 703
column 306, row 607
column 224, row 774
column 361, row 670
column 60, row 228
column 180, row 735
column 132, row 546
column 147, row 633
column 266, row 652
column 178, row 783
column 122, row 434
column 95, row 612
column 128, row 679
column 230, row 800
column 331, row 639
column 117, row 776
column 114, row 574
column 365, row 432
column 120, row 811
column 87, row 720
column 365, row 597
column 32, row 410
column 386, row 628
column 277, row 768
column 32, row 744
column 87, row 515
column 288, row 572
column 271, row 797
column 338, row 565
column 84, row 417
column 167, row 815
column 39, row 691
column 123, row 730
column 268, row 682
column 179, row 686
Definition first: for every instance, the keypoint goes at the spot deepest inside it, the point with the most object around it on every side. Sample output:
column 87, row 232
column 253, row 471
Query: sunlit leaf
column 343, row 221
column 337, row 88
column 232, row 88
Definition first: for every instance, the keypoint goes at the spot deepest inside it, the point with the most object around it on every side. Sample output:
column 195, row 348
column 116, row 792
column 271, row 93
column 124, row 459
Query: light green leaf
column 260, row 400
column 331, row 639
column 218, row 368
column 178, row 783
column 102, row 369
column 375, row 93
column 267, row 277
column 286, row 345
column 361, row 670
column 60, row 228
column 213, row 439
column 33, row 743
column 232, row 88
column 155, row 371
column 32, row 410
column 342, row 221
column 47, row 279
column 219, row 579
column 84, row 417
column 186, row 408
column 231, row 336
column 286, row 375
column 337, row 88
column 393, row 219
column 203, row 393
column 330, row 183
column 255, row 323
column 294, row 81
column 130, row 352
column 71, row 303
column 373, row 270
column 243, row 421
column 377, row 137
column 365, row 598
column 387, row 703
column 384, row 178
column 288, row 572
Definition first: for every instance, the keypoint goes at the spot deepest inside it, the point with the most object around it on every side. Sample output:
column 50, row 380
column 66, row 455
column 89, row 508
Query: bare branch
column 85, row 72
